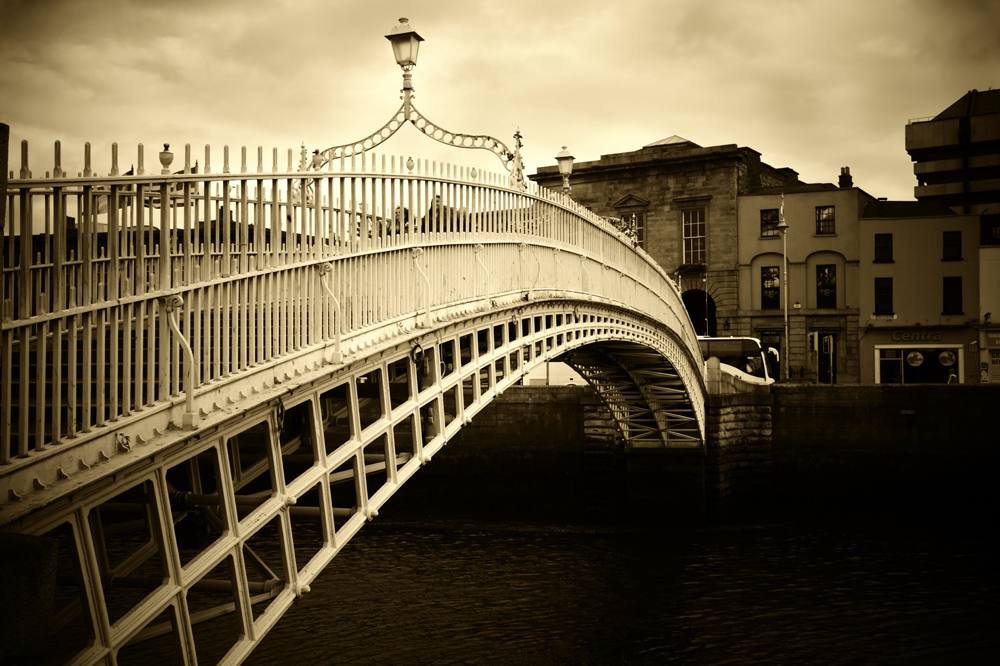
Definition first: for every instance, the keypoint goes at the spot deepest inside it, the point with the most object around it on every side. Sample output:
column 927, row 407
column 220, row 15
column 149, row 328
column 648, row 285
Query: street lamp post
column 405, row 45
column 783, row 228
column 565, row 161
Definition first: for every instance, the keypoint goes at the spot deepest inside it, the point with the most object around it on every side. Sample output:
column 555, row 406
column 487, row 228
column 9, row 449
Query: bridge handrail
column 78, row 294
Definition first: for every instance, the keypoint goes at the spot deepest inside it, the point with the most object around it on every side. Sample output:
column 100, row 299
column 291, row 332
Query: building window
column 826, row 222
column 694, row 236
column 769, row 223
column 952, row 246
column 989, row 230
column 638, row 220
column 770, row 288
column 952, row 289
column 912, row 364
column 883, row 248
column 883, row 296
column 826, row 286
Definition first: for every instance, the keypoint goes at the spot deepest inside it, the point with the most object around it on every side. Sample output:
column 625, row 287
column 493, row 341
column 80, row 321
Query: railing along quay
column 138, row 290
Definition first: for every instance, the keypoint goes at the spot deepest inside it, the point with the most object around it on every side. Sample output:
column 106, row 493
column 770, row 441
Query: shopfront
column 989, row 370
column 920, row 356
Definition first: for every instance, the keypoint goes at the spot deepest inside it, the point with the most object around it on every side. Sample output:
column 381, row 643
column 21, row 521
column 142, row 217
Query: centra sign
column 916, row 336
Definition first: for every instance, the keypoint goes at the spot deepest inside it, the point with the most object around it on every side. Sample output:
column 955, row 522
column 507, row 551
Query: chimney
column 791, row 175
column 845, row 178
column 880, row 208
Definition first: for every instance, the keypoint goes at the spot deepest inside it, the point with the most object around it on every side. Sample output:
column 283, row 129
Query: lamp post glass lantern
column 405, row 44
column 565, row 161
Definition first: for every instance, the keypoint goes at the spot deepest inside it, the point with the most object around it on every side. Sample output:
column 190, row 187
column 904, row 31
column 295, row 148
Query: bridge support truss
column 197, row 544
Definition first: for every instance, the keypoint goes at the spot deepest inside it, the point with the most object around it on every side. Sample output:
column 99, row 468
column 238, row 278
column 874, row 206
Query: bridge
column 213, row 379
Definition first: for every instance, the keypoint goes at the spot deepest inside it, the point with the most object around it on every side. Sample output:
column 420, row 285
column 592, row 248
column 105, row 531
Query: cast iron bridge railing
column 211, row 380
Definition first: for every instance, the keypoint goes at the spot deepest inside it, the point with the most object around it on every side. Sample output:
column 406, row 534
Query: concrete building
column 919, row 294
column 683, row 200
column 822, row 250
column 956, row 154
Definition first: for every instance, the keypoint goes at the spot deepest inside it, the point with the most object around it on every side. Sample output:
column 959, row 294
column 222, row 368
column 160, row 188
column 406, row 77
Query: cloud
column 811, row 85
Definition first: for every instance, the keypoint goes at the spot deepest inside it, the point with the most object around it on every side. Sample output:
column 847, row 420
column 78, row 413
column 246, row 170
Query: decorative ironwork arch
column 511, row 159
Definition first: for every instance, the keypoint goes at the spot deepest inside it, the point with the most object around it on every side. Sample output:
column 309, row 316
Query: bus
column 743, row 357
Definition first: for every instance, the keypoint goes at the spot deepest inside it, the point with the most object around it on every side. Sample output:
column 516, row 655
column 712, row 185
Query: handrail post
column 170, row 306
column 338, row 355
column 555, row 255
column 530, row 294
column 486, row 283
column 423, row 321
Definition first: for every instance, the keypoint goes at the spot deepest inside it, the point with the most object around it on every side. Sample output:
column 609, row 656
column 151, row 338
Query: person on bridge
column 444, row 218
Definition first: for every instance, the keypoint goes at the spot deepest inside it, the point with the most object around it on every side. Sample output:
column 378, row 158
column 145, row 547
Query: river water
column 438, row 590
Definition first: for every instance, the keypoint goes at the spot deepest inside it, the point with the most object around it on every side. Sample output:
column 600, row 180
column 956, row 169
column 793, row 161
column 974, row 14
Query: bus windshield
column 742, row 354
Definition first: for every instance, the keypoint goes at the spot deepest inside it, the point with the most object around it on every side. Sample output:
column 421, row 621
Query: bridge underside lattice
column 215, row 532
column 643, row 391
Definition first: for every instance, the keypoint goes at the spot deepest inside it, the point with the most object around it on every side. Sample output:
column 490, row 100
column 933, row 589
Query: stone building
column 683, row 200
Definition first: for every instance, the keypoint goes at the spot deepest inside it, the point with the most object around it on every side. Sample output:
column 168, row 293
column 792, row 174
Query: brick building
column 683, row 199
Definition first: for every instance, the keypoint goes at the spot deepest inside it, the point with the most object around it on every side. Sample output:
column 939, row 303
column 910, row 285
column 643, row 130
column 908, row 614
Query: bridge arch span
column 244, row 397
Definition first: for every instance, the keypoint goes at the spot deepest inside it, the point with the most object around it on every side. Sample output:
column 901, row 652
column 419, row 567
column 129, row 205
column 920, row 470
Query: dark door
column 827, row 358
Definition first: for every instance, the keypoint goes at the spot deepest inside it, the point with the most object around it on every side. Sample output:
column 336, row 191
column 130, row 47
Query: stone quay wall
column 738, row 455
column 892, row 450
column 842, row 450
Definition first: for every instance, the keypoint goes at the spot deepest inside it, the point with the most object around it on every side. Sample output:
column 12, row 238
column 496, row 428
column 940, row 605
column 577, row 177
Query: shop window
column 952, row 250
column 918, row 365
column 769, row 223
column 890, row 364
column 770, row 288
column 826, row 222
column 883, row 248
column 826, row 286
column 883, row 296
column 694, row 236
column 952, row 291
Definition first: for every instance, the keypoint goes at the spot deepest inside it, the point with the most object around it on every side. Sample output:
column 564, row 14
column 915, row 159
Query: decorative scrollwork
column 459, row 140
column 366, row 144
column 510, row 159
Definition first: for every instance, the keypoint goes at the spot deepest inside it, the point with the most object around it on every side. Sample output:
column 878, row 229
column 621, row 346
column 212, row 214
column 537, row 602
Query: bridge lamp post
column 405, row 45
column 783, row 228
column 565, row 161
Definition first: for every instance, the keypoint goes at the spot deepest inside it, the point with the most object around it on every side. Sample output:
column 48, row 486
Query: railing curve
column 254, row 257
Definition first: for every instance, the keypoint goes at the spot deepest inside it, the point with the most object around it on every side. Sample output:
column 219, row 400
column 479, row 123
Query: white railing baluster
column 82, row 307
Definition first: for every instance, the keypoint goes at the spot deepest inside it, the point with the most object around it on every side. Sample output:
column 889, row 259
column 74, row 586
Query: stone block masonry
column 853, row 451
column 887, row 450
column 738, row 456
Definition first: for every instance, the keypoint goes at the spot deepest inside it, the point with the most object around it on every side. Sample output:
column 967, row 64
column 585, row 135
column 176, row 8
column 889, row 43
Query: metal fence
column 127, row 291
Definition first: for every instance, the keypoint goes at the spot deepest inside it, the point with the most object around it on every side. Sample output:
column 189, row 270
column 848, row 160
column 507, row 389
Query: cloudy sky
column 811, row 85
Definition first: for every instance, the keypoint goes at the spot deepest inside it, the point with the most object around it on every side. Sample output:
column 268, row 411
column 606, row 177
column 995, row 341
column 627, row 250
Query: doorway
column 701, row 308
column 827, row 358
